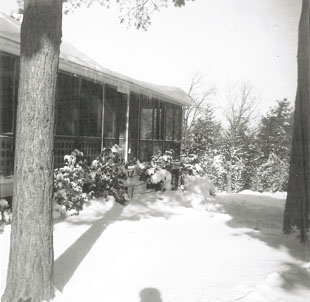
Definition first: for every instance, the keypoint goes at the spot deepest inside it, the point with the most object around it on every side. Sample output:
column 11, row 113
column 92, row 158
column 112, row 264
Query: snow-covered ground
column 178, row 247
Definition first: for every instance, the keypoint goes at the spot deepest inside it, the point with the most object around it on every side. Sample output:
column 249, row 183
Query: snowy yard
column 178, row 247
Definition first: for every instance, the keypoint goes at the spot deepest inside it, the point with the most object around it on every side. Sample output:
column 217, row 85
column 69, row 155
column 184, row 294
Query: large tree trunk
column 30, row 271
column 298, row 196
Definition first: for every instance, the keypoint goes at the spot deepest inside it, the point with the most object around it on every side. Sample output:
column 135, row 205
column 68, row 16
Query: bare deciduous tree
column 239, row 111
column 241, row 106
column 200, row 98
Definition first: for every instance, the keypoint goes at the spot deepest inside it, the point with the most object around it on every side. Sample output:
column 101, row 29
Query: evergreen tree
column 239, row 113
column 239, row 152
column 204, row 135
column 250, row 155
column 271, row 175
column 273, row 145
column 275, row 131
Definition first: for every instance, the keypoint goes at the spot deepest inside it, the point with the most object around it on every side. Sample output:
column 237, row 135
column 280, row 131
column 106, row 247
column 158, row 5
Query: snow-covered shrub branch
column 158, row 170
column 236, row 155
column 4, row 211
column 76, row 183
column 69, row 182
column 272, row 175
column 107, row 173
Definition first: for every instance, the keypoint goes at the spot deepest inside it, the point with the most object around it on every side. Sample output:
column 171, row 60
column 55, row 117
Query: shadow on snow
column 265, row 224
column 150, row 294
column 259, row 222
column 67, row 263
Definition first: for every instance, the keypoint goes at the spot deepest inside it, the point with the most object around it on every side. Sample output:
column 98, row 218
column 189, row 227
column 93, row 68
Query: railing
column 6, row 155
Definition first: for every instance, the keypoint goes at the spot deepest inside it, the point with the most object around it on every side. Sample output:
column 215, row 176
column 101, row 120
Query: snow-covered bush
column 215, row 166
column 158, row 170
column 163, row 161
column 199, row 185
column 59, row 210
column 272, row 175
column 211, row 166
column 161, row 168
column 190, row 165
column 76, row 183
column 107, row 173
column 4, row 210
column 162, row 177
column 69, row 182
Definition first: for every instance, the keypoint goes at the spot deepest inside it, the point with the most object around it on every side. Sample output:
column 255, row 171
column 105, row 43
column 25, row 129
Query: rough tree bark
column 296, row 212
column 30, row 271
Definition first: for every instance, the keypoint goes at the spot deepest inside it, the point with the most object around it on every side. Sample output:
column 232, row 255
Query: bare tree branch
column 241, row 106
column 199, row 102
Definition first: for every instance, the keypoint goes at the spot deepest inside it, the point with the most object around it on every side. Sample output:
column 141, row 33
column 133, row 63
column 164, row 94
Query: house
column 95, row 108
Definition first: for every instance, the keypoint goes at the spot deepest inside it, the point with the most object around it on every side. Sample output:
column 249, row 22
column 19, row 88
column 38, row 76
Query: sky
column 226, row 41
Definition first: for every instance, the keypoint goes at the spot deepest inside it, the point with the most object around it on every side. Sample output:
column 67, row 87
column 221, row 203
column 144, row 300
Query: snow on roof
column 74, row 61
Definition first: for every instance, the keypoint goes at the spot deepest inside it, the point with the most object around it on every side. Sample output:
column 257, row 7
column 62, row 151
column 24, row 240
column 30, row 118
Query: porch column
column 126, row 142
column 102, row 118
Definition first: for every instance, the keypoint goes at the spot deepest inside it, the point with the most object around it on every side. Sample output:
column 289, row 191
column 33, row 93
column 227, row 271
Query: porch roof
column 74, row 61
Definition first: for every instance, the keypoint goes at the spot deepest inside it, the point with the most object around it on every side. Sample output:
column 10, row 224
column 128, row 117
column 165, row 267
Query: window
column 110, row 109
column 67, row 104
column 90, row 109
column 7, row 66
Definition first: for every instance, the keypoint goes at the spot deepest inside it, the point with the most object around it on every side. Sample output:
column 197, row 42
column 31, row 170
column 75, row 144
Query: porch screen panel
column 146, row 118
column 173, row 146
column 158, row 123
column 67, row 105
column 133, row 130
column 7, row 65
column 6, row 155
column 108, row 142
column 169, row 122
column 91, row 109
column 63, row 146
column 133, row 116
column 161, row 120
column 157, row 146
column 132, row 150
column 90, row 147
column 110, row 110
column 146, row 150
column 155, row 104
column 7, row 106
column 177, row 124
column 121, row 115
